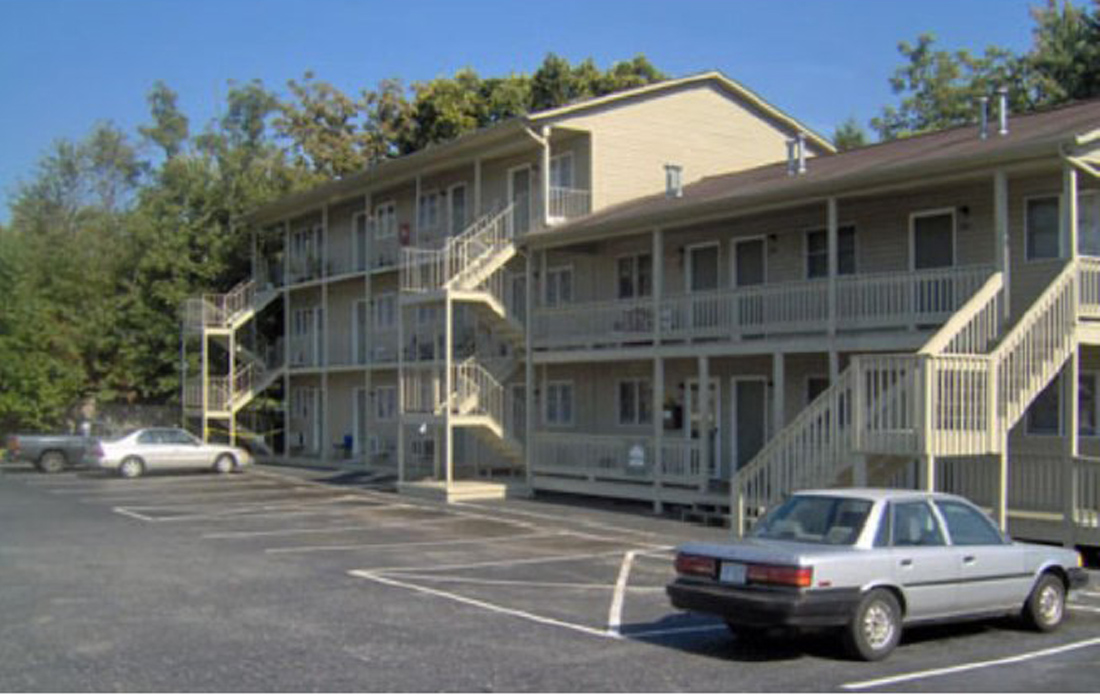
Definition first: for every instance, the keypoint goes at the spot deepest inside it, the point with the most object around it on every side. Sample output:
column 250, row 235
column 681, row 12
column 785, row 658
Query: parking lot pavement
column 377, row 591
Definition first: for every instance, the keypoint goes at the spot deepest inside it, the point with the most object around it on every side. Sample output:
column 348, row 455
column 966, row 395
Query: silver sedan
column 868, row 562
column 152, row 449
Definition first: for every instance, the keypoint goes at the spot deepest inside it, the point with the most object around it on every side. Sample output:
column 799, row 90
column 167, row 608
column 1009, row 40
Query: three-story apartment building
column 919, row 312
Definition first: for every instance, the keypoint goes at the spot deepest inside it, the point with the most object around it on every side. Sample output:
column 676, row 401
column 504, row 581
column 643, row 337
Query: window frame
column 557, row 422
column 381, row 416
column 385, row 211
column 554, row 273
column 453, row 229
column 635, row 275
column 1058, row 234
column 840, row 229
column 559, row 158
column 639, row 390
column 929, row 213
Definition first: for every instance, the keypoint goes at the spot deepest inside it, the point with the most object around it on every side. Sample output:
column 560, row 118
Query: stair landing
column 464, row 490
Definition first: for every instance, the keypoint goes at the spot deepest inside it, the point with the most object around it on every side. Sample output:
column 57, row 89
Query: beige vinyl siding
column 341, row 251
column 341, row 305
column 702, row 128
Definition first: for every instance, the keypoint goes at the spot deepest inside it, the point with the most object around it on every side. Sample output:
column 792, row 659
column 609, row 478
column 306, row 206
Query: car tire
column 875, row 627
column 131, row 468
column 52, row 462
column 225, row 464
column 742, row 632
column 1046, row 606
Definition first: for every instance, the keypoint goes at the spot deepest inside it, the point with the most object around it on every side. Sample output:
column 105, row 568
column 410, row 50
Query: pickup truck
column 50, row 453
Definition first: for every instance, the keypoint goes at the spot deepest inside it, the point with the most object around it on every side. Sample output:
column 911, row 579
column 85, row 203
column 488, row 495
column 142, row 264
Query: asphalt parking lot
column 284, row 580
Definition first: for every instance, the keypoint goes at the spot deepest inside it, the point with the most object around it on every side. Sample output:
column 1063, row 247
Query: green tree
column 324, row 126
column 170, row 126
column 849, row 135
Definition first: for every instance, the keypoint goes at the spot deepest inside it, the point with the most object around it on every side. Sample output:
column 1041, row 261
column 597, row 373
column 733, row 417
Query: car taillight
column 696, row 565
column 800, row 577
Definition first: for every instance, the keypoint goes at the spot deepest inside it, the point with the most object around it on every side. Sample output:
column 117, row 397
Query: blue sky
column 66, row 64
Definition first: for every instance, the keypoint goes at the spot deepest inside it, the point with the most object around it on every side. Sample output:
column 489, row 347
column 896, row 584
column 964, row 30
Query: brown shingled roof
column 1037, row 133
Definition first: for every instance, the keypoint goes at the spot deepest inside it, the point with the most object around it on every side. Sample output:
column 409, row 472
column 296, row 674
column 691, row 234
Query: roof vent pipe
column 983, row 131
column 674, row 181
column 801, row 152
column 1002, row 116
column 791, row 158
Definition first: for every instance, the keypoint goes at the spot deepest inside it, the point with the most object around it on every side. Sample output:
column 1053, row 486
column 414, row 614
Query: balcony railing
column 629, row 457
column 567, row 203
column 864, row 302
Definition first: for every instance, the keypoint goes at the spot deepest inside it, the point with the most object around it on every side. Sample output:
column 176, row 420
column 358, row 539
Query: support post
column 288, row 337
column 232, row 338
column 448, row 388
column 544, row 181
column 703, row 400
column 1000, row 495
column 322, row 331
column 1002, row 239
column 1069, row 208
column 926, row 477
column 205, row 384
column 658, row 277
column 400, row 389
column 478, row 209
column 416, row 213
column 833, row 264
column 779, row 391
column 529, row 368
column 658, row 431
column 1070, row 389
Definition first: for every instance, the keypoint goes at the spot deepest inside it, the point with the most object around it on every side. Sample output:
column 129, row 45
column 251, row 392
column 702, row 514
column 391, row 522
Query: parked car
column 868, row 562
column 52, row 453
column 151, row 449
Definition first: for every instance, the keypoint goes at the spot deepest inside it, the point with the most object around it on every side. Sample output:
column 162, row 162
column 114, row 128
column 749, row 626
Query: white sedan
column 151, row 449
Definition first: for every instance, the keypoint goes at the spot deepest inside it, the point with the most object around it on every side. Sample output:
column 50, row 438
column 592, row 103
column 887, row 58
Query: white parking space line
column 376, row 524
column 615, row 612
column 573, row 521
column 131, row 514
column 403, row 545
column 160, row 485
column 493, row 563
column 215, row 506
column 512, row 612
column 265, row 511
column 672, row 631
column 207, row 497
column 1084, row 608
column 962, row 668
column 527, row 584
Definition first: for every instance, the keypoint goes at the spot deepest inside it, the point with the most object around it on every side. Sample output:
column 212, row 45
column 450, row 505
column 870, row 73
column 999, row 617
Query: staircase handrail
column 826, row 422
column 424, row 269
column 976, row 325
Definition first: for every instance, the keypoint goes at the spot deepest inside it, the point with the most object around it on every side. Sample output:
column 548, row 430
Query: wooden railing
column 809, row 451
column 460, row 260
column 567, row 203
column 778, row 308
column 975, row 327
column 626, row 457
column 1088, row 285
column 903, row 299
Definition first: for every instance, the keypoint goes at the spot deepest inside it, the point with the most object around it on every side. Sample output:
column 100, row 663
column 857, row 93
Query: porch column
column 833, row 263
column 232, row 337
column 779, row 391
column 1069, row 210
column 926, row 472
column 704, row 420
column 658, row 430
column 1001, row 238
column 658, row 276
column 545, row 179
column 529, row 367
column 448, row 388
column 1070, row 389
column 254, row 248
column 416, row 214
column 366, row 422
column 400, row 389
column 326, row 323
column 288, row 338
column 1000, row 493
column 477, row 188
column 205, row 381
column 834, row 366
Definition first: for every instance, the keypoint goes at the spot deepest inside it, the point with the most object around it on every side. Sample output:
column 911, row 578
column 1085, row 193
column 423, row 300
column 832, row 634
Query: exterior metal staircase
column 959, row 395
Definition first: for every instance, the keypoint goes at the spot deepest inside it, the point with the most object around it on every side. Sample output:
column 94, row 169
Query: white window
column 457, row 212
column 385, row 220
column 1041, row 227
column 385, row 312
column 1088, row 408
column 561, row 171
column 559, row 286
column 1044, row 417
column 428, row 211
column 385, row 403
column 559, row 403
column 817, row 252
column 635, row 402
column 635, row 276
column 1088, row 223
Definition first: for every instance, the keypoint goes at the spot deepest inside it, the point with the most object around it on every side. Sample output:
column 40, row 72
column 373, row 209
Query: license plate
column 732, row 572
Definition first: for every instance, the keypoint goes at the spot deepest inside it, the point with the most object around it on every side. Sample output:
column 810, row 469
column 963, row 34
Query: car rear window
column 815, row 519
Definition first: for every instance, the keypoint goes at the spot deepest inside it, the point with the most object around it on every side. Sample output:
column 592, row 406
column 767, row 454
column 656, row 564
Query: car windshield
column 815, row 519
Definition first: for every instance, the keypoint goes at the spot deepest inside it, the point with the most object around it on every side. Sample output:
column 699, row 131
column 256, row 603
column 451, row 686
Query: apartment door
column 693, row 424
column 519, row 297
column 318, row 341
column 749, row 419
column 933, row 247
column 359, row 241
column 519, row 193
column 749, row 261
column 517, row 414
column 359, row 333
column 359, row 421
column 702, row 281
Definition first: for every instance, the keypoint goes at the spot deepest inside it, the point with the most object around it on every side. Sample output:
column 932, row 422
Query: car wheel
column 52, row 462
column 875, row 628
column 1046, row 606
column 225, row 464
column 742, row 632
column 131, row 467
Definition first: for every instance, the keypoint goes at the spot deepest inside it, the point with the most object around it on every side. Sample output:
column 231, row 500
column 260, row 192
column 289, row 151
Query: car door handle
column 969, row 559
column 906, row 562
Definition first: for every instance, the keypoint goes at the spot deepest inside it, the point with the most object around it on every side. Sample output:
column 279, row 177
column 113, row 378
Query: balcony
column 620, row 457
column 877, row 301
column 567, row 203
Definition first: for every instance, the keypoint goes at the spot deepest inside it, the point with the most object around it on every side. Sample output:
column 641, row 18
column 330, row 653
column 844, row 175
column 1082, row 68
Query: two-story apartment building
column 919, row 312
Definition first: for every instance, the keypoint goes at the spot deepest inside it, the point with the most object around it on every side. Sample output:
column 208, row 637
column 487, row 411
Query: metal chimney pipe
column 1002, row 101
column 983, row 131
column 801, row 152
column 791, row 146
